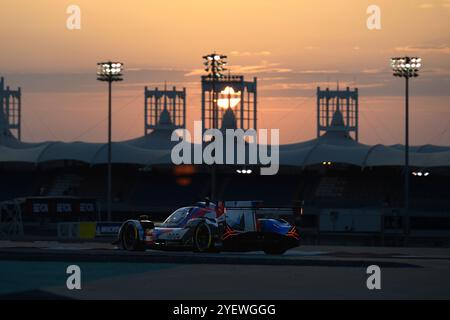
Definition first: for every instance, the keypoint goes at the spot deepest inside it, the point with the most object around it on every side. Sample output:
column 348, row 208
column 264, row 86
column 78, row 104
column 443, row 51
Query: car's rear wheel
column 203, row 238
column 130, row 238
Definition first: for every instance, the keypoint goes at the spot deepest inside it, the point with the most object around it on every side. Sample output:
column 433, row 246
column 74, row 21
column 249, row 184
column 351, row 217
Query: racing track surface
column 38, row 270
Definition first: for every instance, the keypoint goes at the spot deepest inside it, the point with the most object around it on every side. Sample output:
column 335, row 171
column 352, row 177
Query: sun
column 228, row 98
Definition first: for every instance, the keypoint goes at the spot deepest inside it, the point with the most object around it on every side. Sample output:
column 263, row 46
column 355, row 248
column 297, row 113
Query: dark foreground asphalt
column 30, row 271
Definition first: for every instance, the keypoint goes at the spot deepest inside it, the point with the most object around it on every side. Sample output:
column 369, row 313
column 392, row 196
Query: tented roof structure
column 335, row 146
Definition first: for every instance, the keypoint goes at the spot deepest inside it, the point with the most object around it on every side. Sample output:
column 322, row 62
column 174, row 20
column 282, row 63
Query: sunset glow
column 291, row 46
column 228, row 98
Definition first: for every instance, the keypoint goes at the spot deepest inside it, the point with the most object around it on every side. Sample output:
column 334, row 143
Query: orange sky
column 290, row 45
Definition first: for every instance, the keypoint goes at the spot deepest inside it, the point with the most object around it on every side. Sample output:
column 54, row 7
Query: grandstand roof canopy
column 335, row 146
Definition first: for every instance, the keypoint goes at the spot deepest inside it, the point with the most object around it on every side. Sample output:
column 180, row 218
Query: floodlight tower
column 222, row 93
column 344, row 102
column 169, row 102
column 109, row 72
column 406, row 67
column 226, row 100
column 10, row 110
column 215, row 64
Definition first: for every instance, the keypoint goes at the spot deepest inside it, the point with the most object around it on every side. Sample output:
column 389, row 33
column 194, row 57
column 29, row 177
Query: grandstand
column 341, row 185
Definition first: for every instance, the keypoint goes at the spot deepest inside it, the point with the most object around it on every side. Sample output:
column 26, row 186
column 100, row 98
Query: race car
column 207, row 227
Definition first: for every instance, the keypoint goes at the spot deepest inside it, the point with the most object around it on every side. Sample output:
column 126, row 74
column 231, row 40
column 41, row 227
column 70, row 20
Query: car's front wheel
column 130, row 238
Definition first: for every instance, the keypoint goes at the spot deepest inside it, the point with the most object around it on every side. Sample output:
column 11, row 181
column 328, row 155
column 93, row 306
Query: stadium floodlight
column 406, row 67
column 109, row 72
column 215, row 65
column 421, row 173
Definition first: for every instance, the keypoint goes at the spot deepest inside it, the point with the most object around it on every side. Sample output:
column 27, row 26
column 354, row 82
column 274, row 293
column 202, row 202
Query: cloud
column 318, row 71
column 437, row 71
column 443, row 49
column 265, row 67
column 250, row 54
column 269, row 78
column 371, row 71
column 274, row 80
column 85, row 82
column 442, row 3
column 312, row 86
column 262, row 68
column 427, row 6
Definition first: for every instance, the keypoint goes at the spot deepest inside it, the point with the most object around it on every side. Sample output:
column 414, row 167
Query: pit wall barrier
column 87, row 230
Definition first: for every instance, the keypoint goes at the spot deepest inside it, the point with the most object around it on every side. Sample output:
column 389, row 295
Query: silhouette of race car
column 207, row 227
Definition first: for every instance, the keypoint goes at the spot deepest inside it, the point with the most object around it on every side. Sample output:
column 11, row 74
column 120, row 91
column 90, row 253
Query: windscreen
column 178, row 218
